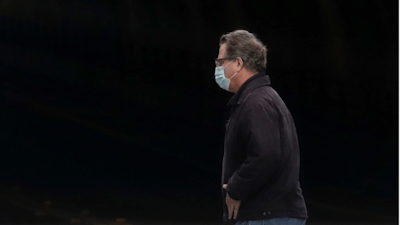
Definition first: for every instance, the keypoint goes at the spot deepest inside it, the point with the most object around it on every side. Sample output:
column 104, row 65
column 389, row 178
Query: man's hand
column 232, row 204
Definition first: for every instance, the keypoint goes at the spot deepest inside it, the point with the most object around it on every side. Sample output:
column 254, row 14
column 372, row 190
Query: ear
column 239, row 63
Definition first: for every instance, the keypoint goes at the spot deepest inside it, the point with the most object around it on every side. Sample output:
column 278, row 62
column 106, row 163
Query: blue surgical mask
column 220, row 77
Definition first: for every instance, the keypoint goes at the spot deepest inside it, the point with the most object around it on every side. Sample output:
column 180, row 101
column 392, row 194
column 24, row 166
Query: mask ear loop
column 227, row 64
column 236, row 72
column 233, row 76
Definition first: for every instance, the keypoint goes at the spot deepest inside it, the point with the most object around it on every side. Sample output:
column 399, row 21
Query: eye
column 217, row 62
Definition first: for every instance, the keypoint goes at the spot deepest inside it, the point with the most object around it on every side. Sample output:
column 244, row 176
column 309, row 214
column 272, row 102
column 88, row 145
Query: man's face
column 228, row 69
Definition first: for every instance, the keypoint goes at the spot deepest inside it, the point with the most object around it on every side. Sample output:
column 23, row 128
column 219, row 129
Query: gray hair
column 243, row 44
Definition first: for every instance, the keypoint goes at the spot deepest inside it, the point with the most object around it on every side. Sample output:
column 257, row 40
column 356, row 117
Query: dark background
column 111, row 106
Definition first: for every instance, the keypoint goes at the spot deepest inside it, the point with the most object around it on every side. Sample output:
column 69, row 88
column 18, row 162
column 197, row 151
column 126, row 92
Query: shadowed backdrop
column 112, row 106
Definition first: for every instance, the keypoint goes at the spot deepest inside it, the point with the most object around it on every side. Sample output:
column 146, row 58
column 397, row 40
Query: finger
column 225, row 186
column 235, row 211
column 230, row 211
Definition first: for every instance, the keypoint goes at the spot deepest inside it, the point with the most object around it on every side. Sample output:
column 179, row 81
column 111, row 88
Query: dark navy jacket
column 261, row 160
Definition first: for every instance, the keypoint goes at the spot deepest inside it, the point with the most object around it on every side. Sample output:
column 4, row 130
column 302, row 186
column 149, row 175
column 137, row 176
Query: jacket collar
column 250, row 84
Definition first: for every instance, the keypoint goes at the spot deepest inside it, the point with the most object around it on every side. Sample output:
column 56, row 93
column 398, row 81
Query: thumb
column 225, row 186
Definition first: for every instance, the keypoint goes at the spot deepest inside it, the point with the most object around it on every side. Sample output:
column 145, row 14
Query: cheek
column 228, row 72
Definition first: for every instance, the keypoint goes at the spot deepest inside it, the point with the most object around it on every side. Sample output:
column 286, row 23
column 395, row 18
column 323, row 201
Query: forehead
column 222, row 51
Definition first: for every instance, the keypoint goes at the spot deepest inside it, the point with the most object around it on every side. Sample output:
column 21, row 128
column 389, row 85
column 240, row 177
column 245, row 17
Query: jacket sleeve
column 260, row 132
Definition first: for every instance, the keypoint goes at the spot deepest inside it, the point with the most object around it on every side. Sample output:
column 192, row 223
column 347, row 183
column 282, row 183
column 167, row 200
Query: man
column 261, row 162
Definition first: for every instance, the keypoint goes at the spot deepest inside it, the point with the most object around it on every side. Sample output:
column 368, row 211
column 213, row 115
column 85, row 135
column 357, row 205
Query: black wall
column 100, row 95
